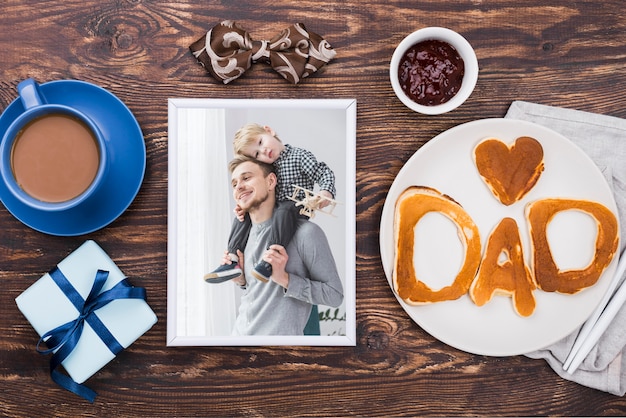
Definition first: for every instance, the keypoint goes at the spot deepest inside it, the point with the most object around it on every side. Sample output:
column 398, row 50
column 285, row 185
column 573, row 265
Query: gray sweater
column 269, row 309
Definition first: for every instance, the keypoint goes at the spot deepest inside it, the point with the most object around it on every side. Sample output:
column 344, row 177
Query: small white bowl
column 464, row 49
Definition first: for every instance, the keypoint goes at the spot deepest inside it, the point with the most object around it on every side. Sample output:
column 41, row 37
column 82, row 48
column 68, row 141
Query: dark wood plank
column 564, row 53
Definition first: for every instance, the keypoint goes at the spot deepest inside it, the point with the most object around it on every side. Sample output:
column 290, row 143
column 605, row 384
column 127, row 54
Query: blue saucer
column 127, row 160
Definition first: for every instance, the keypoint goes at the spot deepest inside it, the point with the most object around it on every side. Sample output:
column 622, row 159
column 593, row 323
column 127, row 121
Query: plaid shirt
column 300, row 167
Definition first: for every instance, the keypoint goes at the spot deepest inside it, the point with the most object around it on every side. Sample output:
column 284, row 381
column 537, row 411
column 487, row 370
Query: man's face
column 250, row 187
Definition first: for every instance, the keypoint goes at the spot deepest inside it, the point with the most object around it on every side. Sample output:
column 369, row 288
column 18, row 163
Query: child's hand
column 239, row 213
column 323, row 202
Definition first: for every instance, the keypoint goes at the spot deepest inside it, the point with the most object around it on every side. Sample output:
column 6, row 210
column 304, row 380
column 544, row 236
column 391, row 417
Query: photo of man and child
column 261, row 227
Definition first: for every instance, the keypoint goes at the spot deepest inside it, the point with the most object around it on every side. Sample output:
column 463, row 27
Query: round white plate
column 446, row 164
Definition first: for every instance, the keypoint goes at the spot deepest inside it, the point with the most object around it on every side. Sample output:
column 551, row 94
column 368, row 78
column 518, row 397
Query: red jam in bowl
column 431, row 72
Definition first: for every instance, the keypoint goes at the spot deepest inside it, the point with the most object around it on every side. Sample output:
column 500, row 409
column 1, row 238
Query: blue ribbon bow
column 63, row 339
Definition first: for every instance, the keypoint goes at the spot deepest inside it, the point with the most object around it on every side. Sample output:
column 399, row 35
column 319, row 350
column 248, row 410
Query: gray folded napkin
column 603, row 138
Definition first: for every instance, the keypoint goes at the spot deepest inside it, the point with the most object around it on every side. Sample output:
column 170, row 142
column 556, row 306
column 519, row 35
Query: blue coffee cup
column 42, row 164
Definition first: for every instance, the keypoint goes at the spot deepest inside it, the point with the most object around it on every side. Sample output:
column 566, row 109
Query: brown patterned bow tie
column 227, row 51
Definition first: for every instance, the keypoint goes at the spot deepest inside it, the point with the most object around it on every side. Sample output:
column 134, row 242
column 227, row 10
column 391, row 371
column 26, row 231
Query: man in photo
column 304, row 272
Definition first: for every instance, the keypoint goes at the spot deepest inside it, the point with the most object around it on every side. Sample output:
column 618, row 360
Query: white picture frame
column 200, row 133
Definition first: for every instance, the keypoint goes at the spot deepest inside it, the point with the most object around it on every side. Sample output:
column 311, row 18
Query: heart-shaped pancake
column 509, row 171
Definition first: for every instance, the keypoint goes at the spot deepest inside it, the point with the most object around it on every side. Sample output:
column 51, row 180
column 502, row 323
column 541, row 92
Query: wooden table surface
column 555, row 52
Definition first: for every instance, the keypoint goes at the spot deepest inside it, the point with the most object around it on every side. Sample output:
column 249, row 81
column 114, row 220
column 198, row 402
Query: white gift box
column 46, row 307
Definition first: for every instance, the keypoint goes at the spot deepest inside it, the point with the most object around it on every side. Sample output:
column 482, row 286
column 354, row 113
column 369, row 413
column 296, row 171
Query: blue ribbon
column 63, row 339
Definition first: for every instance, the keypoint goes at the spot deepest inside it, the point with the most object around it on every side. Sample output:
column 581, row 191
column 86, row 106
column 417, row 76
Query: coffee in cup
column 53, row 156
